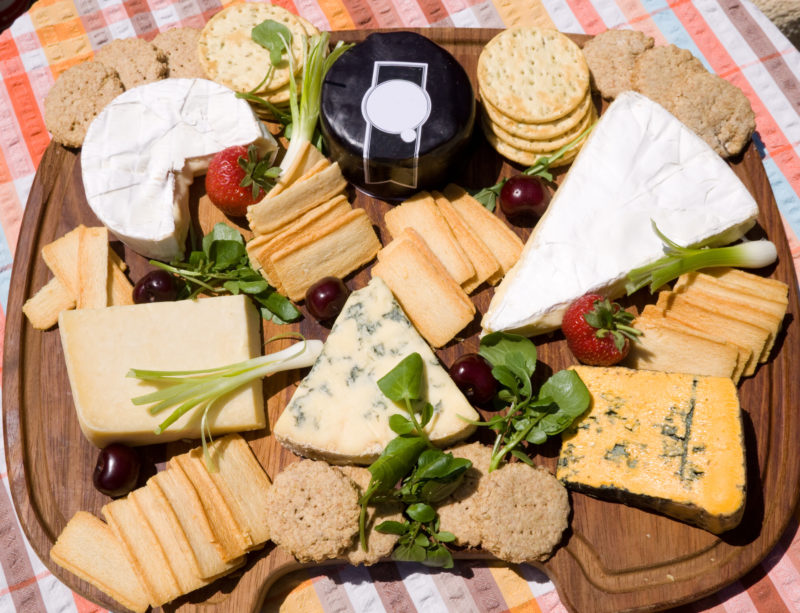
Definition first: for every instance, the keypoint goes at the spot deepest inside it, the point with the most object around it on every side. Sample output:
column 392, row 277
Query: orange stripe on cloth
column 33, row 134
column 515, row 589
column 516, row 13
column 84, row 606
column 782, row 151
column 336, row 14
column 640, row 19
column 24, row 584
column 10, row 215
column 293, row 592
column 587, row 16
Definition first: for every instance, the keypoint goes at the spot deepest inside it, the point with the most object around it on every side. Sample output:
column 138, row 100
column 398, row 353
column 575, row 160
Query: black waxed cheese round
column 397, row 113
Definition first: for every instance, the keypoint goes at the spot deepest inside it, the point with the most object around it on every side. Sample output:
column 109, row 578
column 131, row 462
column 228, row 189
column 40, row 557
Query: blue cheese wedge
column 639, row 165
column 338, row 413
column 664, row 441
column 102, row 345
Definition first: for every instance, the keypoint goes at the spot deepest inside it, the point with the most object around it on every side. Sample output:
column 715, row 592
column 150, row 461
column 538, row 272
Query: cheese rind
column 665, row 441
column 338, row 413
column 102, row 345
column 640, row 165
column 144, row 149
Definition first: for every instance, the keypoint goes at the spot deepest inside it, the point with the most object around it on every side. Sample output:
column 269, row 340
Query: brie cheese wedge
column 142, row 152
column 639, row 164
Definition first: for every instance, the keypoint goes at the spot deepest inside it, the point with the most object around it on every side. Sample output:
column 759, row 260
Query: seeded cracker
column 611, row 57
column 313, row 511
column 76, row 98
column 379, row 545
column 458, row 513
column 230, row 56
column 136, row 61
column 522, row 511
column 180, row 47
column 661, row 71
column 536, row 131
column 534, row 74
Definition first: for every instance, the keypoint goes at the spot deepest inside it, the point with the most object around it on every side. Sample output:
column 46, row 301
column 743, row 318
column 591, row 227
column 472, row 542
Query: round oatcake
column 313, row 511
column 716, row 110
column 661, row 71
column 457, row 511
column 231, row 57
column 379, row 545
column 180, row 47
column 523, row 511
column 535, row 75
column 536, row 131
column 76, row 98
column 611, row 56
column 136, row 61
column 544, row 145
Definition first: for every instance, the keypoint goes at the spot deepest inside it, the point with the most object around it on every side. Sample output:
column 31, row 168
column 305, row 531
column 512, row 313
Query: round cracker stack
column 534, row 88
column 230, row 57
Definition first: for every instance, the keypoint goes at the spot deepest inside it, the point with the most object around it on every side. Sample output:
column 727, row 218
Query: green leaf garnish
column 274, row 37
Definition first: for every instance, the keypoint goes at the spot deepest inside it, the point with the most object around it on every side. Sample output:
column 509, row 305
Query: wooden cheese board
column 612, row 558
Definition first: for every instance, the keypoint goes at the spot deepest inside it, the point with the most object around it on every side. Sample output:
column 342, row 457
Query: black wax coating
column 443, row 138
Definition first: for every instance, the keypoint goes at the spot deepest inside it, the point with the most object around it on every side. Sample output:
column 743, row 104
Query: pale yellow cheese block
column 102, row 345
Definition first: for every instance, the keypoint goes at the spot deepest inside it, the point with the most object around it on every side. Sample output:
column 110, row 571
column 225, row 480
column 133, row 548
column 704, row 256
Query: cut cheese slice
column 102, row 345
column 144, row 149
column 338, row 412
column 667, row 441
column 640, row 165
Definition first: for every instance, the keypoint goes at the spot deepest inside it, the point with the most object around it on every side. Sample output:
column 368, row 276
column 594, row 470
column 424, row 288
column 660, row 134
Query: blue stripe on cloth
column 672, row 28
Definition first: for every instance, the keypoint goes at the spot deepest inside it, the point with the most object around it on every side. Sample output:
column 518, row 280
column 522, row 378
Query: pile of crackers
column 722, row 322
column 87, row 275
column 231, row 57
column 305, row 228
column 535, row 94
column 445, row 246
column 716, row 110
column 184, row 529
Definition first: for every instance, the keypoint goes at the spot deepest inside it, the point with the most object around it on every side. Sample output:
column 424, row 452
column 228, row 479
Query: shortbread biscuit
column 661, row 71
column 76, row 98
column 537, row 130
column 180, row 47
column 534, row 74
column 136, row 61
column 611, row 57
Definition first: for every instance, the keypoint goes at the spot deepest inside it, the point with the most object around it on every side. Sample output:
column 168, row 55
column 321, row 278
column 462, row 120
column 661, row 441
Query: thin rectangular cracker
column 762, row 286
column 694, row 281
column 437, row 306
column 483, row 262
column 43, row 307
column 337, row 249
column 421, row 213
column 496, row 235
column 93, row 268
column 88, row 548
column 143, row 549
column 308, row 158
column 274, row 212
column 120, row 289
column 61, row 257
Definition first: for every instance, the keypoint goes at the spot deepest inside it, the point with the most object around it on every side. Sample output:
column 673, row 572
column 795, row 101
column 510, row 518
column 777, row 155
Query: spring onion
column 679, row 260
column 200, row 389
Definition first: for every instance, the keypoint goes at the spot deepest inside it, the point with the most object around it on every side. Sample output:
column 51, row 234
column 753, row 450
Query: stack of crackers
column 180, row 532
column 445, row 246
column 231, row 57
column 716, row 110
column 305, row 228
column 87, row 275
column 723, row 322
column 535, row 94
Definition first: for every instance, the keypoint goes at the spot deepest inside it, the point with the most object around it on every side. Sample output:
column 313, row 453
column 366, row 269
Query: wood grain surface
column 613, row 557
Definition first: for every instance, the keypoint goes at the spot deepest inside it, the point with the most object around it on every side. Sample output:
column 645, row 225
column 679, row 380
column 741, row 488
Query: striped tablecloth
column 732, row 38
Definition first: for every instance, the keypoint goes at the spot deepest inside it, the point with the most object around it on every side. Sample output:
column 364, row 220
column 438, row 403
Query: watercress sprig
column 530, row 416
column 488, row 195
column 222, row 267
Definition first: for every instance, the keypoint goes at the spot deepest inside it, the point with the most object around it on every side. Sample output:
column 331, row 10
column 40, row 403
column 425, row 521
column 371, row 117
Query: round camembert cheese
column 144, row 149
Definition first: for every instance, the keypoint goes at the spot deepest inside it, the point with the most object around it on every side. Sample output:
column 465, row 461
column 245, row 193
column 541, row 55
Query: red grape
column 524, row 196
column 117, row 470
column 473, row 376
column 326, row 298
column 155, row 286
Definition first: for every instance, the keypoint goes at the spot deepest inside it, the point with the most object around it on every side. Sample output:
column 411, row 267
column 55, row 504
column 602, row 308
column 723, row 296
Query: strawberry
column 597, row 330
column 237, row 178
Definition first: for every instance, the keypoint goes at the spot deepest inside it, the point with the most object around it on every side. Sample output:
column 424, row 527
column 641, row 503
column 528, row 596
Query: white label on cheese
column 639, row 164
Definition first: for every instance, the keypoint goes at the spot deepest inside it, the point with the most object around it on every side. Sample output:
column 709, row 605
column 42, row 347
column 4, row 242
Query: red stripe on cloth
column 483, row 587
column 390, row 587
column 779, row 147
column 360, row 13
column 26, row 113
column 286, row 4
column 27, row 582
column 16, row 565
column 434, row 10
column 587, row 16
column 84, row 606
column 762, row 592
column 10, row 216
